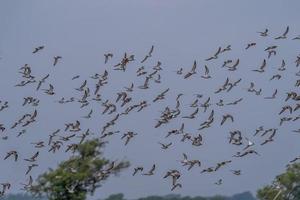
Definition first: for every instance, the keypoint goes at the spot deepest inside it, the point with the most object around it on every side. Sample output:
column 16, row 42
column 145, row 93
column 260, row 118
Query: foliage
column 120, row 196
column 286, row 185
column 79, row 176
column 242, row 196
column 20, row 197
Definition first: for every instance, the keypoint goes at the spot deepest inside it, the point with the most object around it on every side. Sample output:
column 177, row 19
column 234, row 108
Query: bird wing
column 187, row 75
column 184, row 156
column 263, row 64
column 182, row 127
column 151, row 50
column 206, row 70
column 194, row 66
column 218, row 51
column 146, row 57
column 152, row 169
column 236, row 63
column 286, row 31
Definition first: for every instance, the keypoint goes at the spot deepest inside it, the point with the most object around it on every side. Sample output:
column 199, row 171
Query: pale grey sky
column 181, row 31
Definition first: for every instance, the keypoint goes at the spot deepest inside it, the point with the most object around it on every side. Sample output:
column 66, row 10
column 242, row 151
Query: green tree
column 119, row 196
column 79, row 176
column 286, row 186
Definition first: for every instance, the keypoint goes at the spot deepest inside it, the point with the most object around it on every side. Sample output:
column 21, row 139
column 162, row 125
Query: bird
column 296, row 38
column 235, row 102
column 174, row 174
column 38, row 49
column 107, row 56
column 262, row 67
column 215, row 56
column 175, row 186
column 271, row 53
column 165, row 146
column 206, row 104
column 236, row 172
column 270, row 138
column 130, row 88
column 75, row 77
column 295, row 159
column 297, row 61
column 161, row 96
column 192, row 115
column 282, row 67
column 194, row 103
column 234, row 66
column 136, row 169
column 33, row 158
column 185, row 160
column 56, row 58
column 235, row 137
column 206, row 73
column 209, row 170
column 220, row 103
column 12, row 153
column 179, row 71
column 5, row 186
column 71, row 189
column 250, row 45
column 42, row 81
column 145, row 85
column 193, row 71
column 89, row 114
column 284, row 108
column 149, row 54
column 157, row 67
column 30, row 167
column 128, row 135
column 264, row 33
column 257, row 92
column 50, row 91
column 284, row 35
column 271, row 47
column 273, row 95
column 192, row 163
column 226, row 62
column 219, row 182
column 39, row 144
column 197, row 140
column 276, row 76
column 29, row 184
column 82, row 86
column 151, row 171
column 239, row 154
column 249, row 144
column 225, row 117
column 221, row 164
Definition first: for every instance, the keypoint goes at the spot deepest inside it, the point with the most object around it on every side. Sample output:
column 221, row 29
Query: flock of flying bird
column 124, row 104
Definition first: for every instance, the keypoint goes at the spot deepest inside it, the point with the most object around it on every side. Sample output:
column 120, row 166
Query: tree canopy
column 78, row 176
column 286, row 186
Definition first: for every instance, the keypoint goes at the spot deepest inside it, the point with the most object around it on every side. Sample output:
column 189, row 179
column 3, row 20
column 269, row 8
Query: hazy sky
column 181, row 31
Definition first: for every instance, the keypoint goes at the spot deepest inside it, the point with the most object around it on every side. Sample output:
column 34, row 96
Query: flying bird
column 264, row 33
column 151, row 171
column 56, row 59
column 148, row 55
column 38, row 49
column 107, row 56
column 283, row 36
